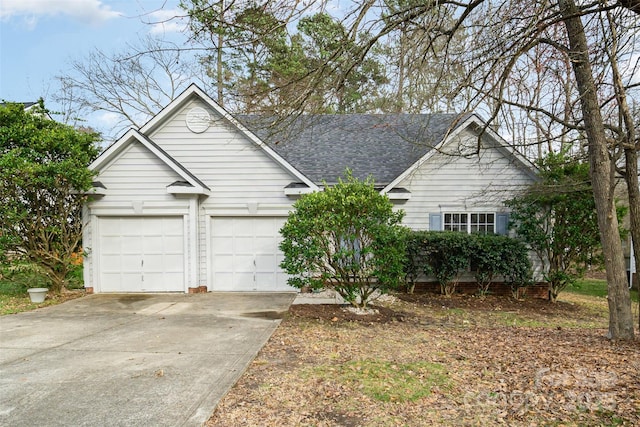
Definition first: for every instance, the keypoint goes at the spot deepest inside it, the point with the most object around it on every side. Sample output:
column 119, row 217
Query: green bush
column 493, row 256
column 445, row 254
column 557, row 218
column 18, row 276
column 415, row 259
column 346, row 238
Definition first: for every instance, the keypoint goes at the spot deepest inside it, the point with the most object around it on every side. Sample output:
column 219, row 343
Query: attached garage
column 141, row 254
column 245, row 255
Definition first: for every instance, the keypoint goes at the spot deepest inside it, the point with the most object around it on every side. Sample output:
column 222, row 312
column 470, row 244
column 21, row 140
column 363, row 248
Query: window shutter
column 435, row 221
column 502, row 223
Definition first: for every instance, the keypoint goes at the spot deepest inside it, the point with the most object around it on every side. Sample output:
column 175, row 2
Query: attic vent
column 198, row 120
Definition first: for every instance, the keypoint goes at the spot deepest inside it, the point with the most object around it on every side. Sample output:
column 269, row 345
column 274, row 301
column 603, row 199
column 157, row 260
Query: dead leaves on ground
column 318, row 372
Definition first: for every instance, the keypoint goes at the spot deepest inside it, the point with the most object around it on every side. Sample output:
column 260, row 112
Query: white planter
column 37, row 294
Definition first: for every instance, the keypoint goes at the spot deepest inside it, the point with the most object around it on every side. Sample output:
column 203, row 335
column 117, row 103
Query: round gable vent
column 198, row 120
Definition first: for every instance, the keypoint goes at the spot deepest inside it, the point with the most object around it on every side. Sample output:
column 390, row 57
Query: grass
column 15, row 280
column 457, row 361
column 386, row 381
column 595, row 288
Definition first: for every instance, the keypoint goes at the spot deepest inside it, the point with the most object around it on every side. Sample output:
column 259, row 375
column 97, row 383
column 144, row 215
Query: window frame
column 455, row 222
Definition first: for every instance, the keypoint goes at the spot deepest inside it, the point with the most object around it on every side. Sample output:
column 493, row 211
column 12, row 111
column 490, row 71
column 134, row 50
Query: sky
column 40, row 38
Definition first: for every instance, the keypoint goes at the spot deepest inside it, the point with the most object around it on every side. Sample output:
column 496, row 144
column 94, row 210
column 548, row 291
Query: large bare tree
column 512, row 46
column 132, row 84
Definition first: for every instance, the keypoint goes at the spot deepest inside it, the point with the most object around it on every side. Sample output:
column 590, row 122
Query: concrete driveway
column 130, row 360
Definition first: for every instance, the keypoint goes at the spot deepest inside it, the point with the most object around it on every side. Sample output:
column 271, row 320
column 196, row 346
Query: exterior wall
column 235, row 168
column 243, row 179
column 136, row 175
column 136, row 184
column 452, row 183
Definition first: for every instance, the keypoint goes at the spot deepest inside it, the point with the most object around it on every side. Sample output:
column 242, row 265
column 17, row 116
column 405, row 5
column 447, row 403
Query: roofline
column 470, row 120
column 527, row 164
column 114, row 150
column 194, row 90
column 450, row 134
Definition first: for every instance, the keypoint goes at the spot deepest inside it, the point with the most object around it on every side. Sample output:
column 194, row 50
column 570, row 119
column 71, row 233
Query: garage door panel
column 265, row 228
column 130, row 245
column 242, row 245
column 265, row 262
column 110, row 243
column 127, row 264
column 173, row 244
column 141, row 254
column 110, row 263
column 152, row 244
column 153, row 263
column 245, row 254
column 220, row 261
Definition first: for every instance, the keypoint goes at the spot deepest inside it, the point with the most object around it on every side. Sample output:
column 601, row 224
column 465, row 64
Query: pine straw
column 317, row 368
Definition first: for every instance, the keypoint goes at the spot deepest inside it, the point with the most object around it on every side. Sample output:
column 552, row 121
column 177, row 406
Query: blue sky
column 39, row 38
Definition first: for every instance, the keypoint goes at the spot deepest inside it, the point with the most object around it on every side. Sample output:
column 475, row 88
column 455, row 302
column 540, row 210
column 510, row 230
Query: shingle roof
column 381, row 145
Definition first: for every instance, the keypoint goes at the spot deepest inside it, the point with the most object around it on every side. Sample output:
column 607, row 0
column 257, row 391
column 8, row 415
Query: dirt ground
column 430, row 360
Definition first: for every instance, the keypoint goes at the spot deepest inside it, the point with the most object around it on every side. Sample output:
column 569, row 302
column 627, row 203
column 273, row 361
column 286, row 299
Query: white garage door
column 141, row 254
column 245, row 254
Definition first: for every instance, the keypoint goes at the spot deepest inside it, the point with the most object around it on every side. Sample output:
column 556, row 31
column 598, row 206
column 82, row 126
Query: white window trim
column 468, row 222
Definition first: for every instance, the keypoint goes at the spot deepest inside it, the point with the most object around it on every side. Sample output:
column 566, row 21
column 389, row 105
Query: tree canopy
column 556, row 217
column 553, row 73
column 43, row 173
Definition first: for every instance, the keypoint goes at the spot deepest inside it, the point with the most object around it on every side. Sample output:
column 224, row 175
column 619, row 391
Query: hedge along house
column 194, row 200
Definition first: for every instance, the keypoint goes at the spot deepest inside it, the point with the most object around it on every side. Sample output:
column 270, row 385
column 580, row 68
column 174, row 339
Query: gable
column 479, row 182
column 235, row 167
column 137, row 174
column 176, row 121
column 469, row 139
column 132, row 137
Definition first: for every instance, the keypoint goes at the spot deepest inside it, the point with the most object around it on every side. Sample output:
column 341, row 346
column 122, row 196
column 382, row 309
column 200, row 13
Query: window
column 483, row 223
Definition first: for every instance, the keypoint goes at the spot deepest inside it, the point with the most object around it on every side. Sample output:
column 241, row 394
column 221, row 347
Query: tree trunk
column 620, row 317
column 633, row 188
column 627, row 137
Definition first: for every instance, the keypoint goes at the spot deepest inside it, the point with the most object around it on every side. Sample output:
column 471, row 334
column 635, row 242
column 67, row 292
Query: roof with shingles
column 380, row 145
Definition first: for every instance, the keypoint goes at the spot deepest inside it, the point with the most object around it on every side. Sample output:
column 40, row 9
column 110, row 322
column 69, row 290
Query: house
column 194, row 199
column 29, row 106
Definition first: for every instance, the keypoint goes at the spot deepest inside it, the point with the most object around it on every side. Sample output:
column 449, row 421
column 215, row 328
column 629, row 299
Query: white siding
column 235, row 168
column 137, row 175
column 238, row 172
column 447, row 183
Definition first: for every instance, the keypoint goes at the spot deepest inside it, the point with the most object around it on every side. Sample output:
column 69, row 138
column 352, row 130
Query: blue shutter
column 502, row 223
column 435, row 221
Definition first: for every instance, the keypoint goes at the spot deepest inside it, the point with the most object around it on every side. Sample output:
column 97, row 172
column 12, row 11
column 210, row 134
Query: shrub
column 415, row 258
column 346, row 238
column 493, row 256
column 447, row 253
column 444, row 255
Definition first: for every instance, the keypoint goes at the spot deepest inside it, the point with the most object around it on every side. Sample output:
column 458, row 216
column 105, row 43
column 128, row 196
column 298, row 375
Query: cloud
column 167, row 21
column 92, row 12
